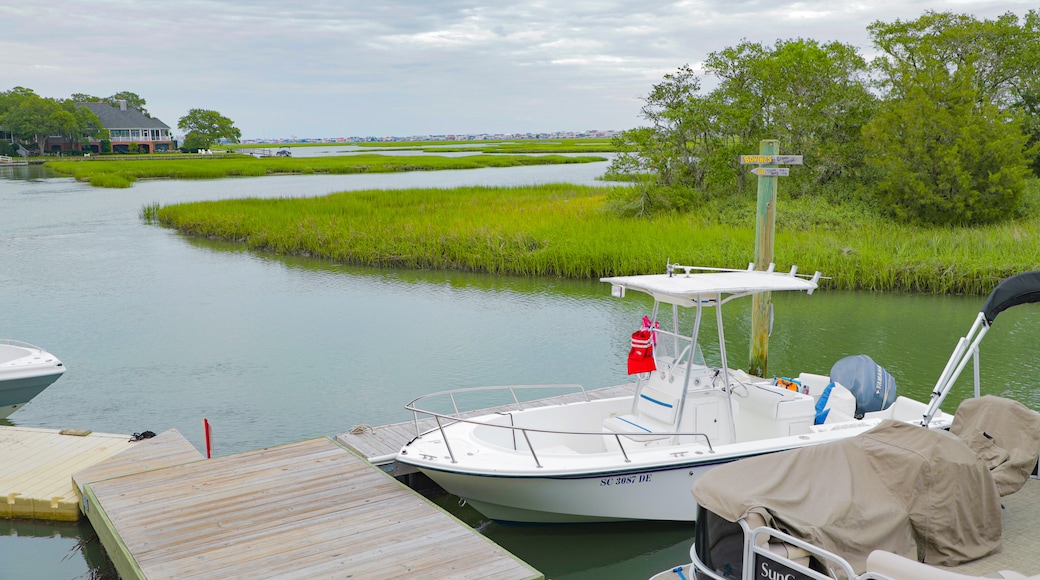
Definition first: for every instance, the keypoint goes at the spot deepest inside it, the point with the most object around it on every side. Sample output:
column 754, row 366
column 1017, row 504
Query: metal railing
column 12, row 342
column 524, row 431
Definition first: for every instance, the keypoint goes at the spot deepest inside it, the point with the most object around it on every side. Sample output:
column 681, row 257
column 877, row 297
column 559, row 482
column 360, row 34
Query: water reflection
column 56, row 550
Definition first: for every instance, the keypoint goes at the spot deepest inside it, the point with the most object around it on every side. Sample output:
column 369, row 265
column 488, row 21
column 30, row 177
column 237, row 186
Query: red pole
column 209, row 438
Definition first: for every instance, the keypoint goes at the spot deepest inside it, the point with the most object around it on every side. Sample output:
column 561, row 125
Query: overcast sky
column 339, row 68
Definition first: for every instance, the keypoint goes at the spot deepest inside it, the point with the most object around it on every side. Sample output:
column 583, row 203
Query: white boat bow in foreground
column 634, row 457
column 25, row 371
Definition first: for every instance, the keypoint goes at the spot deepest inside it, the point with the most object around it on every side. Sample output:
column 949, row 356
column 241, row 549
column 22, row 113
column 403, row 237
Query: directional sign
column 771, row 171
column 777, row 159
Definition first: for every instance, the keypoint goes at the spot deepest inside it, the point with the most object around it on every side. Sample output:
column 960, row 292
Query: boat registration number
column 626, row 479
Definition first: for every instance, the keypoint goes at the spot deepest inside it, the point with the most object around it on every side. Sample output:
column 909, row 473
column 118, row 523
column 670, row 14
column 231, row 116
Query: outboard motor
column 873, row 387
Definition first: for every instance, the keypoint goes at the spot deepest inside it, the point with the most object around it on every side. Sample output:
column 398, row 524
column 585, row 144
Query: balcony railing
column 141, row 139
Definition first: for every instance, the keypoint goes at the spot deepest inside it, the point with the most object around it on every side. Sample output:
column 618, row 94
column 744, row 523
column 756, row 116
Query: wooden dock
column 7, row 161
column 304, row 510
column 379, row 445
column 36, row 468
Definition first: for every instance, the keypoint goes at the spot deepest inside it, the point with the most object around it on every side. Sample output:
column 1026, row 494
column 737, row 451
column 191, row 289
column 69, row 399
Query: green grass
column 108, row 173
column 564, row 230
column 112, row 180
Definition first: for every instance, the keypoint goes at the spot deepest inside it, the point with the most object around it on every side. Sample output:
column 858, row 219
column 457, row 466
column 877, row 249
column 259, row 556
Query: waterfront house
column 128, row 127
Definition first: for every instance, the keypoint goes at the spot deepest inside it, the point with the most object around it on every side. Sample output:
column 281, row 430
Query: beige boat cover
column 916, row 492
column 1006, row 436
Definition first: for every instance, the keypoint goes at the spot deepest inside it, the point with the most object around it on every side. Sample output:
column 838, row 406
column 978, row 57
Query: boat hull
column 638, row 494
column 16, row 392
column 24, row 373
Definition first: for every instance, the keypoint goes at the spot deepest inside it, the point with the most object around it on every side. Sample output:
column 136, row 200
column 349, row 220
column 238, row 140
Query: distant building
column 128, row 126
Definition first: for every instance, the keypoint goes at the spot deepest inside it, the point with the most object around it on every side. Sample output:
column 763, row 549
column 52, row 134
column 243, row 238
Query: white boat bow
column 25, row 371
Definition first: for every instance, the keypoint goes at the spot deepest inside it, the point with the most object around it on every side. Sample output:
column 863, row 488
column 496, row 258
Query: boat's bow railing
column 512, row 389
column 12, row 342
column 444, row 420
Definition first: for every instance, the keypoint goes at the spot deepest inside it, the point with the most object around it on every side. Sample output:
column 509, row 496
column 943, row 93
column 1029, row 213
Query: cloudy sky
column 338, row 68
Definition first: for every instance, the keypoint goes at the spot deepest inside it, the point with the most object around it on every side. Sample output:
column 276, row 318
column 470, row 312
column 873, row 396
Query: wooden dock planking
column 164, row 450
column 308, row 509
column 380, row 444
column 36, row 468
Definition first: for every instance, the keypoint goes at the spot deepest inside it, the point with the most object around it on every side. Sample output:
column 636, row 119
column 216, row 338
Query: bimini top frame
column 1019, row 289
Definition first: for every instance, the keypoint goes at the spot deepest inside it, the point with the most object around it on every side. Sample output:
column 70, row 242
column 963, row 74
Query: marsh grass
column 150, row 213
column 115, row 180
column 564, row 230
column 122, row 173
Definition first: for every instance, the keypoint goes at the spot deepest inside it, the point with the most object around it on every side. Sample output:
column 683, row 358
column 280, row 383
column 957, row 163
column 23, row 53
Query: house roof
column 115, row 118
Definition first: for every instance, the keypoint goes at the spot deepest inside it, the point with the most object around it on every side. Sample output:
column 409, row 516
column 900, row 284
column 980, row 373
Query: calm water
column 159, row 331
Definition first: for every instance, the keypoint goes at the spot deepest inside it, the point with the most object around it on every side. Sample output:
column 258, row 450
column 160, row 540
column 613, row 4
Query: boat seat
column 653, row 420
column 643, row 429
column 841, row 403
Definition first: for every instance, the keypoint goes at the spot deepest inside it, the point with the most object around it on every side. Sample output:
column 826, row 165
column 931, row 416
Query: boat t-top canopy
column 689, row 285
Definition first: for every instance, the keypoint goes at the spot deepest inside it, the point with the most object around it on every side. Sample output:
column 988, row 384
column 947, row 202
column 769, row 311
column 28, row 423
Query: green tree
column 132, row 100
column 949, row 145
column 203, row 128
column 85, row 98
column 30, row 117
column 667, row 158
column 944, row 158
column 812, row 97
column 1004, row 56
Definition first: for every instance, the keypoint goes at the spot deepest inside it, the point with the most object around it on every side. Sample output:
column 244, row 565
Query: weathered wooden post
column 762, row 304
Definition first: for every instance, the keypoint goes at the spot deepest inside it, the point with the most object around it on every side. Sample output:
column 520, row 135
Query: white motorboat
column 25, row 371
column 635, row 456
column 895, row 503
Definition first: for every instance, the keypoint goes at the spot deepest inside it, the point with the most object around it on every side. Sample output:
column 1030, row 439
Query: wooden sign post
column 765, row 220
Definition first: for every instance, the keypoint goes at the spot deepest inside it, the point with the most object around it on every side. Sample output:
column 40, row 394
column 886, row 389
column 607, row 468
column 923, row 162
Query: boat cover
column 916, row 492
column 1006, row 436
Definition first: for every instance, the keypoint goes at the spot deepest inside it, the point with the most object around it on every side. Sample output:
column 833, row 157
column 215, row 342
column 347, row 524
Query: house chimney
column 122, row 104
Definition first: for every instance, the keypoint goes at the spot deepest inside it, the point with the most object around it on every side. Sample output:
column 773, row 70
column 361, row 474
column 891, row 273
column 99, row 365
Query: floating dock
column 313, row 509
column 310, row 509
column 36, row 467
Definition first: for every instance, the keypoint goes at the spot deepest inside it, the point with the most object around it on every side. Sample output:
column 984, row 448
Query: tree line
column 942, row 127
column 28, row 119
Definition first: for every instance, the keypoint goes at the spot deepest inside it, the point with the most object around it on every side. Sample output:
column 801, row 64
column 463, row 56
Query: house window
column 135, row 133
